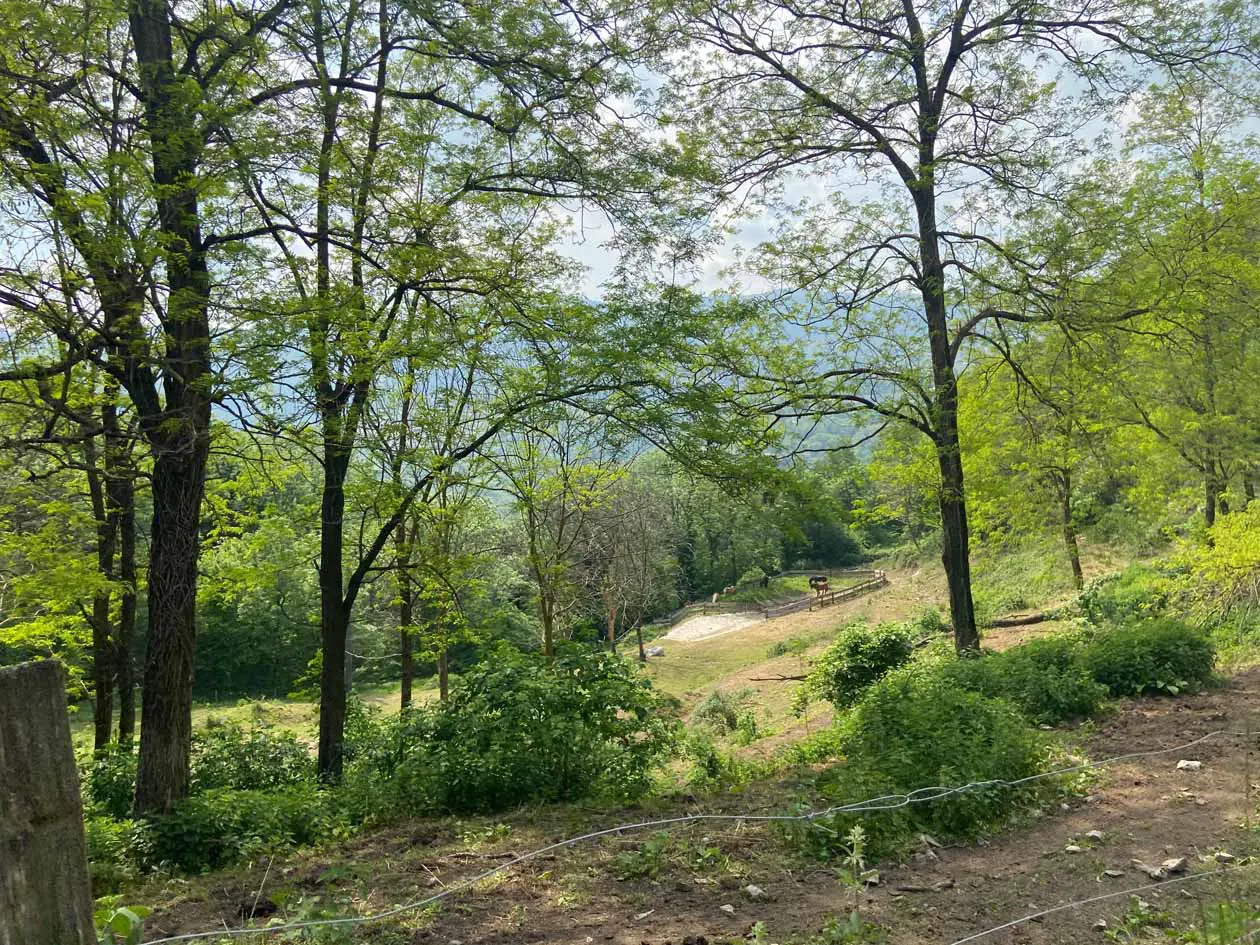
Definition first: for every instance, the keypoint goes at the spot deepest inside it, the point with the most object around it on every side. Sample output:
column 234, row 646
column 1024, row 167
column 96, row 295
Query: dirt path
column 1144, row 808
column 711, row 625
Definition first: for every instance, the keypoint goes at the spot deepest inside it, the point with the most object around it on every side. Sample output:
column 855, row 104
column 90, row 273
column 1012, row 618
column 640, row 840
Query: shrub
column 1046, row 679
column 1136, row 593
column 109, row 781
column 858, row 658
column 222, row 825
column 1161, row 655
column 915, row 730
column 115, row 849
column 256, row 758
column 723, row 710
column 521, row 729
column 753, row 575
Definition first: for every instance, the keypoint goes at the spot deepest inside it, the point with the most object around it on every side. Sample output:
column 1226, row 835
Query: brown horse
column 819, row 584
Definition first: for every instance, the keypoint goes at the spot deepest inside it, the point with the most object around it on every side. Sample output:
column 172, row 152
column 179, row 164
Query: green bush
column 1047, row 679
column 254, row 758
column 915, row 730
column 518, row 729
column 1136, row 593
column 222, row 825
column 109, row 781
column 723, row 710
column 115, row 849
column 1161, row 655
column 859, row 657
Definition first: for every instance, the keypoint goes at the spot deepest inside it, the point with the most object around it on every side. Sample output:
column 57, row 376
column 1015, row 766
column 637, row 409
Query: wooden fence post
column 45, row 893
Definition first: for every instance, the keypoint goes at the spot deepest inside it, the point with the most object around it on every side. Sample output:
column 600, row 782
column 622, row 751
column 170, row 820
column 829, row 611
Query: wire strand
column 885, row 802
column 1111, row 895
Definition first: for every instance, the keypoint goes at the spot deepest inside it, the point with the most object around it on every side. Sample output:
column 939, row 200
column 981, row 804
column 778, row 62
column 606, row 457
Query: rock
column 1154, row 872
column 1065, row 807
column 643, row 915
column 727, row 908
column 1100, row 925
column 1174, row 865
column 655, row 651
column 755, row 892
column 1093, row 799
column 432, row 881
column 943, row 884
column 1114, row 874
column 1200, row 802
column 1189, row 765
column 1095, row 834
column 1072, row 848
column 1223, row 857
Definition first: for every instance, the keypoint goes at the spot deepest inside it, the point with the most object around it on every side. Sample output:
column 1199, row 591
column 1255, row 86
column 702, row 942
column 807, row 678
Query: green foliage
column 713, row 769
column 1136, row 593
column 109, row 781
column 1160, row 655
column 221, row 826
column 518, row 729
column 254, row 758
column 116, row 849
column 120, row 925
column 859, row 657
column 793, row 646
column 723, row 709
column 1047, row 679
column 915, row 730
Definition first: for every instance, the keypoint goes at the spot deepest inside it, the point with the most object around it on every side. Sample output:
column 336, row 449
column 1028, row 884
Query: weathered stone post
column 45, row 894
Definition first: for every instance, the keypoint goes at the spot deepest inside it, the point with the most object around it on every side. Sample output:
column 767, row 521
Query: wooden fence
column 874, row 581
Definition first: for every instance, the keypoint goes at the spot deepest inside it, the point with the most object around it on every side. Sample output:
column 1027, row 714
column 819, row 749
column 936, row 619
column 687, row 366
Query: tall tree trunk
column 638, row 633
column 444, row 675
column 1070, row 540
column 180, row 432
column 406, row 605
column 166, row 732
column 103, row 666
column 334, row 617
column 1249, row 488
column 1209, row 501
column 124, row 641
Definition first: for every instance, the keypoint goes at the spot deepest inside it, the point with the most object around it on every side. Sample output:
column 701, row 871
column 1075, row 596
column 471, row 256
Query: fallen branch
column 1019, row 620
column 777, row 678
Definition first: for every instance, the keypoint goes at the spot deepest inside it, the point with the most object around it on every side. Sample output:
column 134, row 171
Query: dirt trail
column 711, row 625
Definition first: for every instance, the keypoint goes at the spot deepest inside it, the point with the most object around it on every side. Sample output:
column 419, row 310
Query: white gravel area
column 711, row 625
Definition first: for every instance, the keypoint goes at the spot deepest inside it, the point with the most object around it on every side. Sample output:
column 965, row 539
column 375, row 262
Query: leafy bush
column 1136, row 593
column 222, row 825
column 858, row 658
column 1046, row 679
column 753, row 575
column 723, row 710
column 256, row 758
column 116, row 849
column 520, row 729
column 1161, row 655
column 916, row 730
column 792, row 645
column 109, row 781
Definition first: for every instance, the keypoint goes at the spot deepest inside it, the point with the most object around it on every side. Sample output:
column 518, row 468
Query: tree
column 941, row 108
column 109, row 129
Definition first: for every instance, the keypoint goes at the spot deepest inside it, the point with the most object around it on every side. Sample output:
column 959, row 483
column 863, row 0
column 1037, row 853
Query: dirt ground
column 711, row 625
column 1145, row 809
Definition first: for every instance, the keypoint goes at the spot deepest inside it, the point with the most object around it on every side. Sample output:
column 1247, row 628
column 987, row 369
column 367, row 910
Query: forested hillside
column 379, row 384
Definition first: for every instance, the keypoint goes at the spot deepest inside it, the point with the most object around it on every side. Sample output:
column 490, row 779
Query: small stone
column 643, row 915
column 1114, row 874
column 1189, row 765
column 1072, row 848
column 1093, row 799
column 727, row 908
column 1095, row 834
column 1174, row 865
column 432, row 881
column 1200, row 802
column 1223, row 857
column 1065, row 807
column 1154, row 872
column 755, row 892
column 1100, row 925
